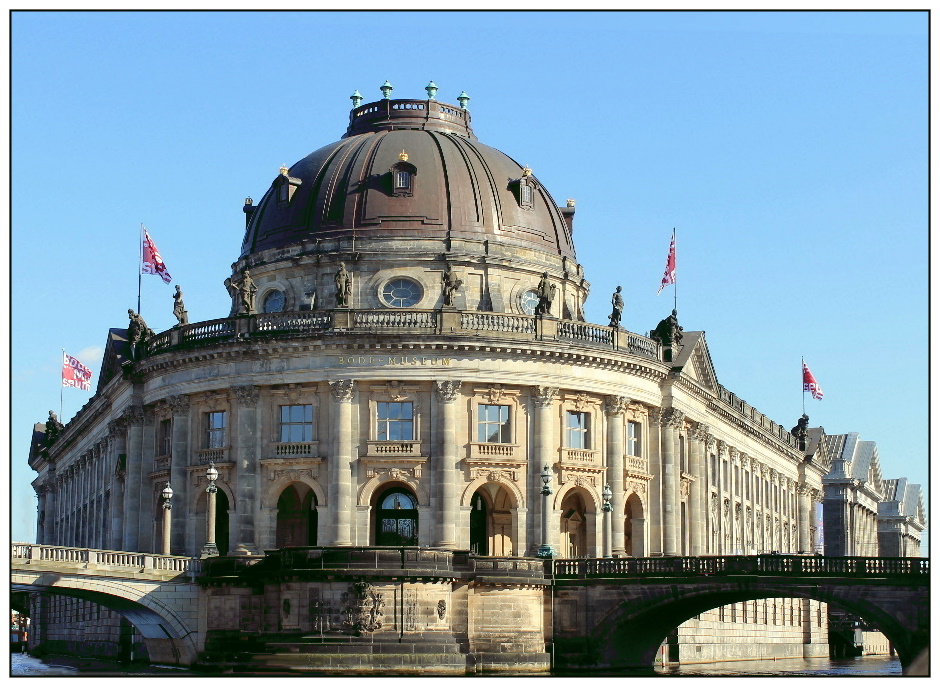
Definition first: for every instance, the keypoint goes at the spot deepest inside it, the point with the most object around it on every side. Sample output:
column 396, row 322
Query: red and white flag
column 810, row 384
column 150, row 260
column 669, row 277
column 74, row 374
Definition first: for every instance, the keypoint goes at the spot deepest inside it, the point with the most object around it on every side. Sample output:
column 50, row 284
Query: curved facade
column 404, row 357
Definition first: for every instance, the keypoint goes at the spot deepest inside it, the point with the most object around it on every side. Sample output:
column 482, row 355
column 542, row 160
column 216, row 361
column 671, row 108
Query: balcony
column 384, row 449
column 211, row 455
column 495, row 453
column 298, row 449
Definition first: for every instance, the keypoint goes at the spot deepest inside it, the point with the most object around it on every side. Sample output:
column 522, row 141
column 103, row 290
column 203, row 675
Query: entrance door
column 396, row 521
column 478, row 538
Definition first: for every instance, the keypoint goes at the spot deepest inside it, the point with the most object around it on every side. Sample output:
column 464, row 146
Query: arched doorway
column 573, row 526
column 633, row 527
column 492, row 514
column 221, row 521
column 478, row 533
column 297, row 516
column 396, row 518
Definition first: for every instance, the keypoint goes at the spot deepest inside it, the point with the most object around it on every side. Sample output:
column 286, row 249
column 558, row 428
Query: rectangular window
column 683, row 467
column 714, row 470
column 726, row 475
column 578, row 430
column 395, row 421
column 165, row 437
column 215, row 429
column 493, row 424
column 633, row 439
column 296, row 423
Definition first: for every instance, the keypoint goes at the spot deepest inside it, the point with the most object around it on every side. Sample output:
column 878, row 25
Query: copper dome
column 460, row 188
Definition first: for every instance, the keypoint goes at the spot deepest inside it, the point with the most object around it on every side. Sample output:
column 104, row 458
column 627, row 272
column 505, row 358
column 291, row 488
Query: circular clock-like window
column 401, row 293
column 530, row 299
column 274, row 302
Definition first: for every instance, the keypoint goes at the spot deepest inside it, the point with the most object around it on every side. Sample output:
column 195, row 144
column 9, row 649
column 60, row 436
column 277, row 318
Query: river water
column 870, row 666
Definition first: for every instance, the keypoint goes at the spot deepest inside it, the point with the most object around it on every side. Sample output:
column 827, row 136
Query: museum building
column 406, row 363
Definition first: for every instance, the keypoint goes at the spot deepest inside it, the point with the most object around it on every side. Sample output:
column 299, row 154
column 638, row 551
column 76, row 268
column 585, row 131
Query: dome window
column 529, row 301
column 284, row 187
column 402, row 293
column 274, row 302
column 525, row 189
column 403, row 176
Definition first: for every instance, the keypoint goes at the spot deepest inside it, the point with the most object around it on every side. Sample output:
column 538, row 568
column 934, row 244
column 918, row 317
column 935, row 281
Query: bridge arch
column 169, row 638
column 630, row 634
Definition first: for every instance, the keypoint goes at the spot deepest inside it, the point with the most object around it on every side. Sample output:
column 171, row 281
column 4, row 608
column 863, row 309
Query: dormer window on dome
column 525, row 189
column 284, row 187
column 403, row 176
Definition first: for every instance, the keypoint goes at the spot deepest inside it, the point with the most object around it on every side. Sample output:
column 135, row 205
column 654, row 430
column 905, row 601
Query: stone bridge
column 614, row 613
column 155, row 593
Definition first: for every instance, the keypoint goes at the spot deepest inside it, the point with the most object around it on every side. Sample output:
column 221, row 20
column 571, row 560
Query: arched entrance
column 573, row 526
column 396, row 518
column 296, row 516
column 634, row 543
column 478, row 535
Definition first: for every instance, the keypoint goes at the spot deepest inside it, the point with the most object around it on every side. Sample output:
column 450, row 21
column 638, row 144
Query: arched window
column 403, row 178
column 396, row 518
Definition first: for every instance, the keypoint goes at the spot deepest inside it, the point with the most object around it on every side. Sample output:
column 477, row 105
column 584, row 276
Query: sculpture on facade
column 800, row 431
column 137, row 334
column 246, row 293
column 53, row 427
column 451, row 285
column 179, row 310
column 668, row 332
column 343, row 281
column 546, row 293
column 617, row 302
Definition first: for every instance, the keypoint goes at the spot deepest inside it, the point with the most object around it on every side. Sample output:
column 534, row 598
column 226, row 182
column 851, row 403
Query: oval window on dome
column 401, row 293
column 274, row 302
column 529, row 301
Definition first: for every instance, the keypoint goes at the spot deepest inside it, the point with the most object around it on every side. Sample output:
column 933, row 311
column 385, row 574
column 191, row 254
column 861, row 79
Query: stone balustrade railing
column 774, row 565
column 98, row 558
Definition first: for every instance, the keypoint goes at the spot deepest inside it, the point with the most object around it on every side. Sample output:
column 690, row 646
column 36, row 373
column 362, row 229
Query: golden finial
column 284, row 170
column 571, row 202
column 403, row 156
column 526, row 172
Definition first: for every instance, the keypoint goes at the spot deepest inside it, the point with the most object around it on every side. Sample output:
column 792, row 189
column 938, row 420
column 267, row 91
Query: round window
column 530, row 300
column 401, row 293
column 274, row 302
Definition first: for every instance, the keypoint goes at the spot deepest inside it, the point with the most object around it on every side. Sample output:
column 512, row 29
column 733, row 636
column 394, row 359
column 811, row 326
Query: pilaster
column 340, row 466
column 445, row 472
column 614, row 408
column 672, row 420
column 246, row 468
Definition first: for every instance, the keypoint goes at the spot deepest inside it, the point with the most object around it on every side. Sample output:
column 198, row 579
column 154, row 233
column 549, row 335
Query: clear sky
column 789, row 151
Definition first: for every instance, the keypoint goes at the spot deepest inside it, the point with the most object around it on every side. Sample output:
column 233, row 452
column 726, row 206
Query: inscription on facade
column 387, row 360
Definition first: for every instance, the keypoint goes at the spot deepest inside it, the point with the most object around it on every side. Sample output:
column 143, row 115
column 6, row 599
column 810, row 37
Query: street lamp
column 545, row 550
column 607, row 508
column 210, row 549
column 167, row 506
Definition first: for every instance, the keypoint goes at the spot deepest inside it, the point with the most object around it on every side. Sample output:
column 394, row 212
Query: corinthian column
column 134, row 416
column 672, row 420
column 445, row 473
column 340, row 487
column 246, row 465
column 614, row 407
column 544, row 445
column 116, row 445
column 179, row 458
column 803, row 509
column 697, row 491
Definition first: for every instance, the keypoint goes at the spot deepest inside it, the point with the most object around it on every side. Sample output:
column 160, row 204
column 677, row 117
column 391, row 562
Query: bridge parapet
column 155, row 565
column 775, row 565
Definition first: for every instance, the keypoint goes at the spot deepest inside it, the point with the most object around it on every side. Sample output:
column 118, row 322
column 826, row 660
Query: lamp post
column 607, row 508
column 210, row 549
column 545, row 550
column 167, row 506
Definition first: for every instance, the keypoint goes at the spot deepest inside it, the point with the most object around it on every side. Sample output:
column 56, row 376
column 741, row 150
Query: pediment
column 696, row 362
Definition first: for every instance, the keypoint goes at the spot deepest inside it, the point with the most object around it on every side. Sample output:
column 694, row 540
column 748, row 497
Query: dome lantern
column 386, row 89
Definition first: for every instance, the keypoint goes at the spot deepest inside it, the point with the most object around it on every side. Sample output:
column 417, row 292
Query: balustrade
column 89, row 558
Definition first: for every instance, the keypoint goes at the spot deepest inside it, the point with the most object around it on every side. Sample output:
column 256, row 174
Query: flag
column 150, row 260
column 810, row 384
column 74, row 374
column 669, row 276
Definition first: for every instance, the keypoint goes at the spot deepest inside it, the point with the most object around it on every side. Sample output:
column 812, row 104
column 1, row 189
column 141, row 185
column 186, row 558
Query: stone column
column 340, row 467
column 710, row 522
column 246, row 467
column 118, row 475
column 673, row 419
column 135, row 418
column 614, row 407
column 545, row 454
column 655, row 510
column 445, row 472
column 697, row 490
column 180, row 406
column 720, row 448
column 145, row 533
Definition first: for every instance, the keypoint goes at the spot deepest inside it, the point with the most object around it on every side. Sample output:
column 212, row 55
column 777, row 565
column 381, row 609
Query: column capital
column 656, row 416
column 133, row 414
column 544, row 395
column 615, row 405
column 673, row 417
column 733, row 453
column 149, row 412
column 342, row 390
column 179, row 404
column 700, row 431
column 246, row 395
column 447, row 390
column 117, row 427
column 720, row 446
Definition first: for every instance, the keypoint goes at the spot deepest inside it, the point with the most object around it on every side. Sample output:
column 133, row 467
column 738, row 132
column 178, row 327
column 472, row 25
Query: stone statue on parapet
column 53, row 428
column 617, row 302
column 546, row 292
column 800, row 430
column 669, row 334
column 246, row 294
column 343, row 281
column 179, row 310
column 451, row 285
column 137, row 334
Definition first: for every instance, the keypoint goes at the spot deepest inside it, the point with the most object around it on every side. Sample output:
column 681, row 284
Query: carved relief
column 246, row 395
column 492, row 475
column 441, row 609
column 179, row 404
column 394, row 473
column 580, row 402
column 615, row 405
column 447, row 390
column 294, row 474
column 411, row 610
column 494, row 394
column 342, row 390
column 683, row 488
column 395, row 391
column 362, row 608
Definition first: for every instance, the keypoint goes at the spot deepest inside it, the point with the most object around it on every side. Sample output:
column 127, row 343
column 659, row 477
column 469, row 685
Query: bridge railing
column 99, row 558
column 793, row 565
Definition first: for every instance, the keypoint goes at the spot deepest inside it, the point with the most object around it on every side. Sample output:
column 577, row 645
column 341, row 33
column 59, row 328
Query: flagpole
column 61, row 386
column 675, row 283
column 802, row 367
column 140, row 262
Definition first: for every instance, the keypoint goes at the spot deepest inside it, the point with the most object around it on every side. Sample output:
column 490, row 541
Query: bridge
column 607, row 614
column 632, row 604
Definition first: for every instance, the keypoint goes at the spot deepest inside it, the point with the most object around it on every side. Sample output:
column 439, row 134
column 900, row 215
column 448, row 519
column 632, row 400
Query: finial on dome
column 356, row 98
column 571, row 202
column 431, row 88
column 283, row 170
column 463, row 99
column 403, row 156
column 526, row 171
column 386, row 89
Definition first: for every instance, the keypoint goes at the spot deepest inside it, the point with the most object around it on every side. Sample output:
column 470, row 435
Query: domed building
column 406, row 363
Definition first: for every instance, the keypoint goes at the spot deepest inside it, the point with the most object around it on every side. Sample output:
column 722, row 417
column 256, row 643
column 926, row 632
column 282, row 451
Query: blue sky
column 789, row 150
